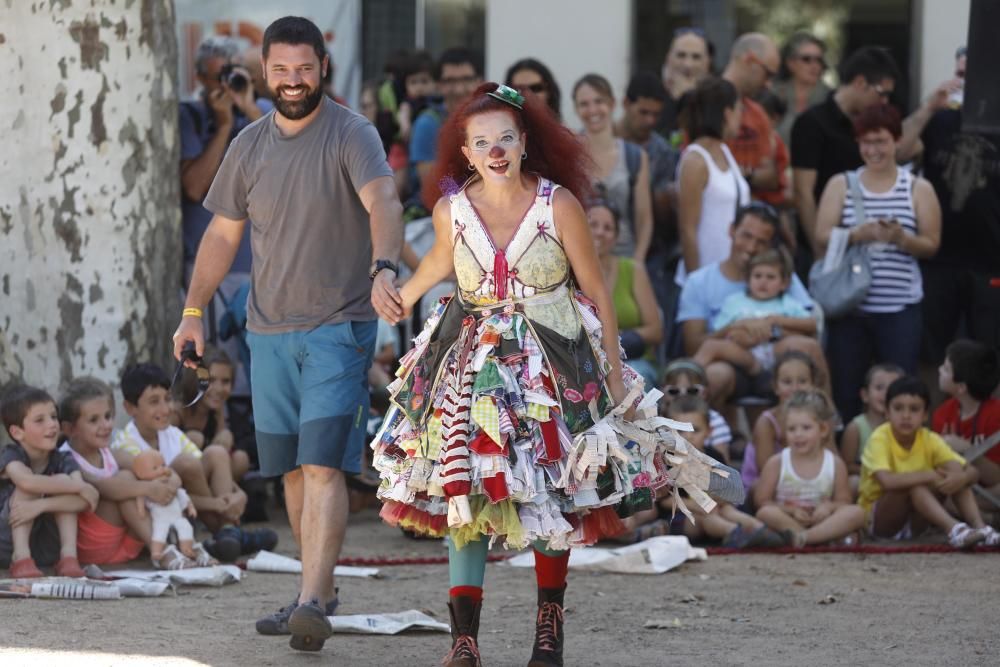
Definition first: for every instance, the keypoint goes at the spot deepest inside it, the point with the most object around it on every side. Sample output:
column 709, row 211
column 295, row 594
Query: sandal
column 202, row 557
column 69, row 566
column 25, row 569
column 172, row 559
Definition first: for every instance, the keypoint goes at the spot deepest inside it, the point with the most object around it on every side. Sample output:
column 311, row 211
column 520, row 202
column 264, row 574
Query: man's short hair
column 759, row 210
column 874, row 63
column 294, row 30
column 138, row 377
column 17, row 401
column 646, row 84
column 459, row 56
column 976, row 365
column 216, row 46
column 908, row 385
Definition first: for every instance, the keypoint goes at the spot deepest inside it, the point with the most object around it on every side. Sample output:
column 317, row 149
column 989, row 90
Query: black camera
column 235, row 79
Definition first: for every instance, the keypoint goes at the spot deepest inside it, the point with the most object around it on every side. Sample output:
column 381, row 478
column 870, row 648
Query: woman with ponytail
column 710, row 185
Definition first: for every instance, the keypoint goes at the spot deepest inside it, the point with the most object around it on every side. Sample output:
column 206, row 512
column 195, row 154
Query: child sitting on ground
column 769, row 274
column 684, row 377
column 734, row 528
column 970, row 374
column 204, row 423
column 41, row 490
column 803, row 492
column 115, row 532
column 794, row 371
column 907, row 472
column 206, row 475
column 856, row 435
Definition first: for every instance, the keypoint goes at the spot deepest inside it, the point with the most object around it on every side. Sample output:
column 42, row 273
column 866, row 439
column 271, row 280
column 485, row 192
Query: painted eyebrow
column 483, row 136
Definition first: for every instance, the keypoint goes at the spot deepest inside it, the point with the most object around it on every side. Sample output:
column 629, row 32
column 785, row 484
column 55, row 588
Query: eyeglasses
column 536, row 88
column 882, row 92
column 810, row 59
column 767, row 70
column 693, row 390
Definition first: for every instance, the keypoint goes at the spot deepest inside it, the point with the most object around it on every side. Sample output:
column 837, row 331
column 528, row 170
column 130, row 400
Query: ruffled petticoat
column 501, row 427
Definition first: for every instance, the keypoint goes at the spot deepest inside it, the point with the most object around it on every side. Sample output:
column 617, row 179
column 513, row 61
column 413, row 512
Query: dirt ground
column 920, row 609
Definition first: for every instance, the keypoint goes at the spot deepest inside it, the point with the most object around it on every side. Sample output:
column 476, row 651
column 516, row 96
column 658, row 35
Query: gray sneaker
column 277, row 623
column 309, row 626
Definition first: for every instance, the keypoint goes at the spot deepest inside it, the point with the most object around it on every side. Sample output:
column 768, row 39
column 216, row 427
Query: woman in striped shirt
column 902, row 224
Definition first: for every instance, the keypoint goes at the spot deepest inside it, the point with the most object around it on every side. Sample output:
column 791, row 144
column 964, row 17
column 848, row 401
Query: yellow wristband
column 192, row 312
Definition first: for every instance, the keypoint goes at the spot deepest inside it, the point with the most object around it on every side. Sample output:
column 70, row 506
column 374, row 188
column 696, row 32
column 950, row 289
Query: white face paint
column 494, row 145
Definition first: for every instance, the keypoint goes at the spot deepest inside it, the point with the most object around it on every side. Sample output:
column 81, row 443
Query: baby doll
column 147, row 466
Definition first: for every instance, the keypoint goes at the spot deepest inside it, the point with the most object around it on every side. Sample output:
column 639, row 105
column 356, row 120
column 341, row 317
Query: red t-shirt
column 758, row 140
column 985, row 422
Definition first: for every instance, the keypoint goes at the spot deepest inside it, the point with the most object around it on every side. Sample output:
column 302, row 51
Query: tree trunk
column 89, row 198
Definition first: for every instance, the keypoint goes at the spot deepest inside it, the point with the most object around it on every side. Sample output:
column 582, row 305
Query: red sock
column 550, row 571
column 474, row 592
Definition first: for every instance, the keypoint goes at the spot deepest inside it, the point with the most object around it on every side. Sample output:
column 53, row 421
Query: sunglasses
column 201, row 372
column 537, row 88
column 767, row 70
column 693, row 390
column 810, row 59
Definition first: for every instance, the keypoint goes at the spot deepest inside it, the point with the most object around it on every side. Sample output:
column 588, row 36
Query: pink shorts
column 101, row 543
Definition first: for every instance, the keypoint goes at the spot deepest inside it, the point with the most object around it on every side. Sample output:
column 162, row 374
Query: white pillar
column 944, row 28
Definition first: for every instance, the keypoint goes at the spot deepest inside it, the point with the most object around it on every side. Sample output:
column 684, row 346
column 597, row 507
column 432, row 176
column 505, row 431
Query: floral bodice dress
column 486, row 406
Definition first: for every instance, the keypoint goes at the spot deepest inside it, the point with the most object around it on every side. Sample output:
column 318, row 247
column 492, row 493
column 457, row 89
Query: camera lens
column 237, row 82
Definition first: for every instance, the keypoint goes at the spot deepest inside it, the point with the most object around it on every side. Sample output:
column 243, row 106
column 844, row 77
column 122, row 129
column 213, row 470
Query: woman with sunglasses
column 529, row 76
column 799, row 83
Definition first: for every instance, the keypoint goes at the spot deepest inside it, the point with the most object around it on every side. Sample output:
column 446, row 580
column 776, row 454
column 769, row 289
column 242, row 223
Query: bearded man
column 326, row 234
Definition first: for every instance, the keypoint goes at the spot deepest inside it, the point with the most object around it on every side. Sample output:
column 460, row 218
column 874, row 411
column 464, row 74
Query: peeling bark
column 90, row 217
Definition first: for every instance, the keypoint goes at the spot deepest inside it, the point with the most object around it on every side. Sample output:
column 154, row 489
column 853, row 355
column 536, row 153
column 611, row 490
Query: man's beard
column 297, row 109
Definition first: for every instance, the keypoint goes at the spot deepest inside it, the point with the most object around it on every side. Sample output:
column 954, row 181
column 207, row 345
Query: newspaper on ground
column 59, row 588
column 387, row 624
column 266, row 561
column 217, row 575
column 653, row 556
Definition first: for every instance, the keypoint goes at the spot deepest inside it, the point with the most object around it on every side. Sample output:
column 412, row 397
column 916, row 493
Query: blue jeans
column 860, row 340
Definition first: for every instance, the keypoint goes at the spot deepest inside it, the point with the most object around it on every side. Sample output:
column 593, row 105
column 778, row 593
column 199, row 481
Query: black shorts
column 758, row 386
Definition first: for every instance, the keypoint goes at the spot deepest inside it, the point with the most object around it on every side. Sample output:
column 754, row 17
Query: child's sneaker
column 991, row 537
column 963, row 536
column 69, row 566
column 25, row 569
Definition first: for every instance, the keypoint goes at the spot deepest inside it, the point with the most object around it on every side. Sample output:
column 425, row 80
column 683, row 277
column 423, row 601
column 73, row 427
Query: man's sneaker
column 225, row 544
column 277, row 623
column 309, row 627
column 963, row 536
column 257, row 539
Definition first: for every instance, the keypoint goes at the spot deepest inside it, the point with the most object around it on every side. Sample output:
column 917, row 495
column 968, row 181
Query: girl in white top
column 803, row 491
column 710, row 185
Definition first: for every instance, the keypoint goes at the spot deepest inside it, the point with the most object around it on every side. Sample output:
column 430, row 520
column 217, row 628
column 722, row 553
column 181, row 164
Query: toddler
column 908, row 472
column 803, row 491
column 856, row 435
column 41, row 490
column 734, row 528
column 769, row 274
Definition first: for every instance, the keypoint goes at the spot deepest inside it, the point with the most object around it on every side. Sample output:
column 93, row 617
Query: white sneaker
column 991, row 537
column 963, row 536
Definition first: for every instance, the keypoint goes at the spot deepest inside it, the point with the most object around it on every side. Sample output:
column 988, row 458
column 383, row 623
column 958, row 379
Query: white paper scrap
column 387, row 624
column 653, row 556
column 266, row 561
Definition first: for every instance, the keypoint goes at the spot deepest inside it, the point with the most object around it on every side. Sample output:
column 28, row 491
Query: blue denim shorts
column 310, row 396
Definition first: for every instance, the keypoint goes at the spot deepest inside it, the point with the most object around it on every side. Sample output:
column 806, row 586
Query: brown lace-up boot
column 548, row 649
column 464, row 631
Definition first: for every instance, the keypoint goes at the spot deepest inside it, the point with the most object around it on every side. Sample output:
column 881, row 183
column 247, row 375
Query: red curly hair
column 554, row 151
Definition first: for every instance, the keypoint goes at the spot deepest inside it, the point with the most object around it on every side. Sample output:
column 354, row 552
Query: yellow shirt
column 883, row 452
column 171, row 443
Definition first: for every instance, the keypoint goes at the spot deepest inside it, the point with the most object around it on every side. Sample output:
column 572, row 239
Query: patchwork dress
column 490, row 409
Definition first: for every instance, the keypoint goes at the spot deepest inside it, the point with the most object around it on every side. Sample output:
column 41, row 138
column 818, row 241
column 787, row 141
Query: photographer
column 222, row 108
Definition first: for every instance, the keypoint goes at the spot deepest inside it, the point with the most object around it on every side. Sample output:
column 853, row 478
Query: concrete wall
column 944, row 26
column 572, row 37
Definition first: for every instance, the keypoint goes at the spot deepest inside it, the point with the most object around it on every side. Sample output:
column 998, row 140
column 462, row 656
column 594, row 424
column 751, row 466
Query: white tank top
column 108, row 469
column 723, row 192
column 805, row 493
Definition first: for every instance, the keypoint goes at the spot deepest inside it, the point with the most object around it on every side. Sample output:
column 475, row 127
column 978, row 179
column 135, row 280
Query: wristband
column 192, row 312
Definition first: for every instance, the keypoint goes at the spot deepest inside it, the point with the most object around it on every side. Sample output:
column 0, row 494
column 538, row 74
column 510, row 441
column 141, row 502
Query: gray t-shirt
column 310, row 234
